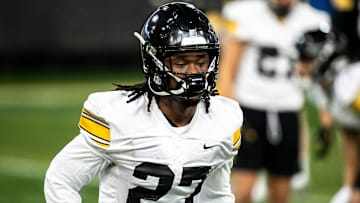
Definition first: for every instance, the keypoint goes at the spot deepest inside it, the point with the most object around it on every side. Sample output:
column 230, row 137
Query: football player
column 336, row 77
column 345, row 56
column 259, row 69
column 168, row 139
column 345, row 108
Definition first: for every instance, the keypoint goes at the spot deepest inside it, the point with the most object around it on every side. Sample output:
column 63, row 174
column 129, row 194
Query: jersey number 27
column 166, row 178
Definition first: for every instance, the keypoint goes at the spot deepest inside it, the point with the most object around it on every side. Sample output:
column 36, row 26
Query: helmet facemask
column 194, row 85
column 188, row 86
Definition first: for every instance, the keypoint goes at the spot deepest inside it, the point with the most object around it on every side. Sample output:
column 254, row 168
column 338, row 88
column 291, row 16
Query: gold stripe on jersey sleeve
column 237, row 140
column 95, row 126
column 356, row 104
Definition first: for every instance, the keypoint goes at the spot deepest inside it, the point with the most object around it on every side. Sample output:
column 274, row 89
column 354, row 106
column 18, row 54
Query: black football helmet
column 331, row 59
column 173, row 28
column 312, row 42
column 326, row 48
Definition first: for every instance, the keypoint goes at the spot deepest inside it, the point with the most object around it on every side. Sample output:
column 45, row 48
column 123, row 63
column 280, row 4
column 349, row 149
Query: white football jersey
column 267, row 78
column 347, row 93
column 142, row 158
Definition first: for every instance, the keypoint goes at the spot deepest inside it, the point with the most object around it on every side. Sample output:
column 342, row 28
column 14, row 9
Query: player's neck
column 176, row 112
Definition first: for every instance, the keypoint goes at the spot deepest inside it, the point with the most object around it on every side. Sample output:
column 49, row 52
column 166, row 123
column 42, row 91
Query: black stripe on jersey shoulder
column 96, row 119
column 100, row 143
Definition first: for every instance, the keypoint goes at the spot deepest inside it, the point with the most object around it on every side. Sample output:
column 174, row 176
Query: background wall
column 70, row 32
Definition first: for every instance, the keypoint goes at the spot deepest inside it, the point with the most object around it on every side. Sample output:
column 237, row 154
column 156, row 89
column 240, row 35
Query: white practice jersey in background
column 347, row 91
column 267, row 78
column 142, row 158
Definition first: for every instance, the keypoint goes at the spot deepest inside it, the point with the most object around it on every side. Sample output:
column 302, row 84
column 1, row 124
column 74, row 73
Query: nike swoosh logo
column 209, row 146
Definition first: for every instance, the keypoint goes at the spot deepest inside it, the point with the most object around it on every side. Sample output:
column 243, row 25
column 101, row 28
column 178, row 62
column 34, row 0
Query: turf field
column 39, row 114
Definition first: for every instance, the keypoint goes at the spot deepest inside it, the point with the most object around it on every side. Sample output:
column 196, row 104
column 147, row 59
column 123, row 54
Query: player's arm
column 82, row 159
column 305, row 68
column 217, row 186
column 73, row 167
column 232, row 49
column 231, row 53
column 323, row 135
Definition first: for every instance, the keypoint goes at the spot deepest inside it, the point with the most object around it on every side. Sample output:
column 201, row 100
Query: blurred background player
column 346, row 111
column 345, row 16
column 258, row 68
column 345, row 19
column 339, row 78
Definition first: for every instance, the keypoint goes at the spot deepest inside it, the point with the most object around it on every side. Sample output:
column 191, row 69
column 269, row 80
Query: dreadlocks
column 137, row 90
column 140, row 89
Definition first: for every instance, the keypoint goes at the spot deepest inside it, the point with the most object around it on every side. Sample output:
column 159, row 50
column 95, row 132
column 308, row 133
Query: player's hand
column 323, row 142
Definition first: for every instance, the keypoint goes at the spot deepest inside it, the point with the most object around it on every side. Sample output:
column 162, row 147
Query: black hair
column 143, row 88
column 137, row 90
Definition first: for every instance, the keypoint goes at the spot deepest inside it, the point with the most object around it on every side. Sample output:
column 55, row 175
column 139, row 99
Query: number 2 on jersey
column 271, row 64
column 166, row 178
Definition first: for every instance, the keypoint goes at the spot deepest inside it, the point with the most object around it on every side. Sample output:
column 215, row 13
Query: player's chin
column 190, row 100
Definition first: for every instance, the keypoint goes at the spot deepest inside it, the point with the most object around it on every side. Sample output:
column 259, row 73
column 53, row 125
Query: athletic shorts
column 270, row 141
